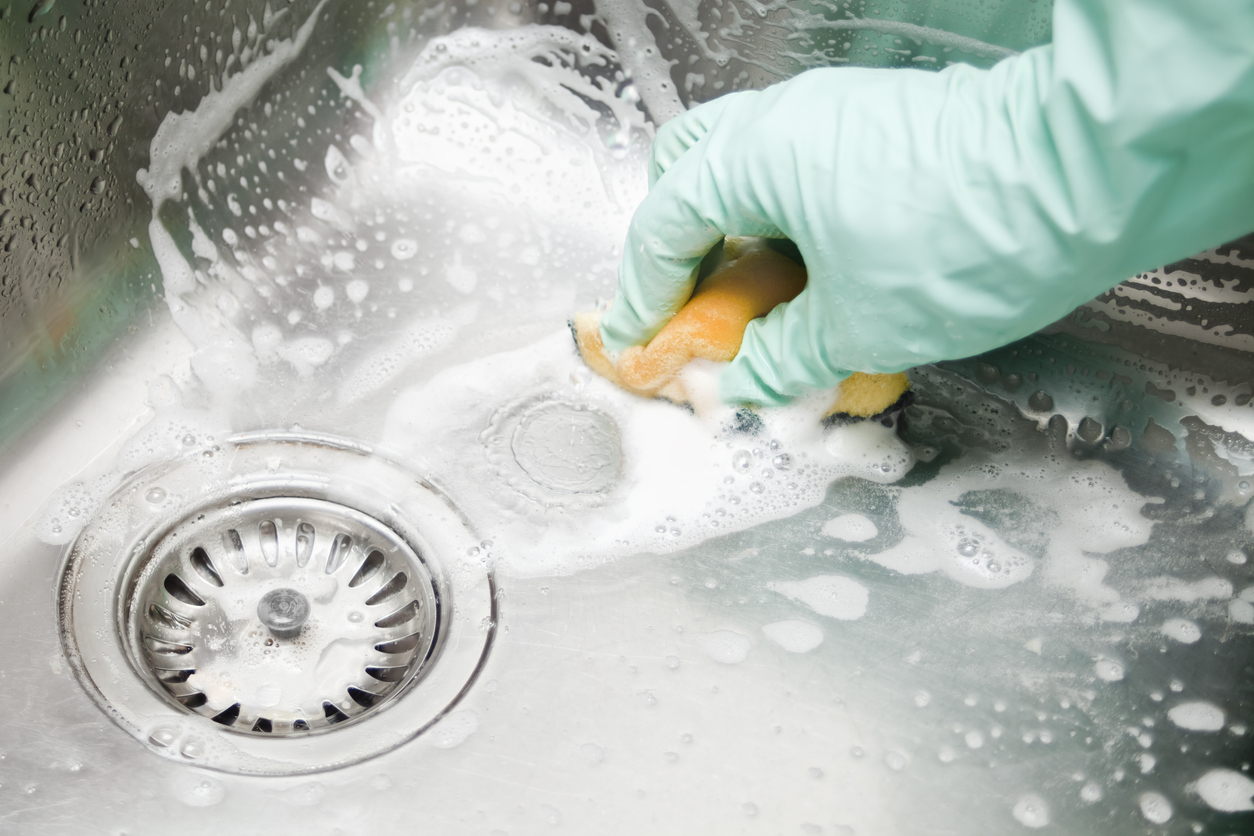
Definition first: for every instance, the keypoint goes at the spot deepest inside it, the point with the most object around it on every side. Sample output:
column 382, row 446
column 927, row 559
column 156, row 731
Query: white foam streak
column 680, row 482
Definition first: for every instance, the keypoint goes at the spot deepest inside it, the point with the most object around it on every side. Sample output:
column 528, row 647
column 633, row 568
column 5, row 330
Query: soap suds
column 835, row 596
column 453, row 730
column 1031, row 811
column 1084, row 508
column 725, row 646
column 1226, row 790
column 685, row 477
column 852, row 528
column 1197, row 716
column 1155, row 807
column 794, row 636
column 1108, row 670
column 1182, row 630
column 224, row 359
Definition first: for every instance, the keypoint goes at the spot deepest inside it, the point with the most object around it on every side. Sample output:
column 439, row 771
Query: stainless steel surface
column 343, row 251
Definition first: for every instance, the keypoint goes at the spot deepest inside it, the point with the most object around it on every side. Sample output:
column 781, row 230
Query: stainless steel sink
column 313, row 521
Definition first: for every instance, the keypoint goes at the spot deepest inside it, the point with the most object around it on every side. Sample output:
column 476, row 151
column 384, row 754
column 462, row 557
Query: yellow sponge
column 862, row 395
column 748, row 281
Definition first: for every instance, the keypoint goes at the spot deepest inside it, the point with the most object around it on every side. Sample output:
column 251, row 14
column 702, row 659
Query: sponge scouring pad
column 747, row 282
column 863, row 395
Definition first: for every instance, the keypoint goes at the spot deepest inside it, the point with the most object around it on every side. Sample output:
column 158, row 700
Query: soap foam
column 518, row 101
column 224, row 359
column 685, row 477
column 725, row 646
column 832, row 595
column 794, row 636
column 1226, row 790
column 1155, row 807
column 1031, row 811
column 1182, row 630
column 454, row 729
column 1084, row 509
column 1108, row 670
column 1197, row 716
column 852, row 528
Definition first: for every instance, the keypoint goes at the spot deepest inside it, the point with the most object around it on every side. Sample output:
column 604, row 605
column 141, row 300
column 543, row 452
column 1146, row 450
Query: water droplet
column 742, row 461
column 155, row 495
column 968, row 547
column 1155, row 808
column 1040, row 401
column 189, row 440
column 1031, row 811
column 782, row 462
column 355, row 617
column 192, row 749
column 756, row 487
column 404, row 249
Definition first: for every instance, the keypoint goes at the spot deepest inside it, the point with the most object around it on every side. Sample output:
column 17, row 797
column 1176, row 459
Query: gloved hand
column 943, row 214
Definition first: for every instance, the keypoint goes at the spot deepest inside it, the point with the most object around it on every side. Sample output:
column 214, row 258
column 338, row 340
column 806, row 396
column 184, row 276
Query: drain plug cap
column 284, row 612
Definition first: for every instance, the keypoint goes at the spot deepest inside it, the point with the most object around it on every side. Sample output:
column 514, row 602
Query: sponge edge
column 863, row 395
column 749, row 280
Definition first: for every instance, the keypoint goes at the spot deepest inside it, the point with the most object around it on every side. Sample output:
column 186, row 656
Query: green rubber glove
column 943, row 214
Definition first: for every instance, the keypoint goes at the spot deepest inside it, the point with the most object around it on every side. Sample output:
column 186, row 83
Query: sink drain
column 283, row 615
column 281, row 604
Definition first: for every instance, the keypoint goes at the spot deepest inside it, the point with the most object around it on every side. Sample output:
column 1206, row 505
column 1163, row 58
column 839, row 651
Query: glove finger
column 684, row 131
column 781, row 356
column 688, row 211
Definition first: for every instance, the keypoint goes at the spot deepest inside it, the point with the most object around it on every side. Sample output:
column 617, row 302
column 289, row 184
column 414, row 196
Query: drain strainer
column 283, row 615
column 282, row 604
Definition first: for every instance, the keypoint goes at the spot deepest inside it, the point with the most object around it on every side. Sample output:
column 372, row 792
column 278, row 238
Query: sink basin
column 314, row 521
